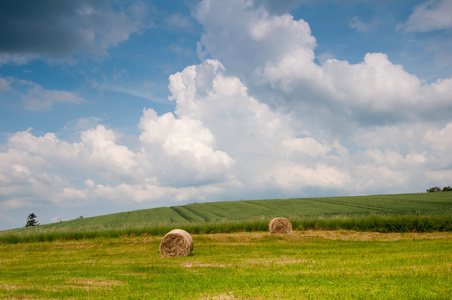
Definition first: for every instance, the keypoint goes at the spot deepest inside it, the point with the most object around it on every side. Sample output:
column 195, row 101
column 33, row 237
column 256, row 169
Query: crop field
column 431, row 204
column 246, row 265
column 422, row 212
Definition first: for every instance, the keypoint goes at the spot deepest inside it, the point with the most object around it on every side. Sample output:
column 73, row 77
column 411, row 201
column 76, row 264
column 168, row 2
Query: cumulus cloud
column 428, row 16
column 181, row 150
column 275, row 57
column 220, row 144
column 258, row 139
column 64, row 28
column 220, row 141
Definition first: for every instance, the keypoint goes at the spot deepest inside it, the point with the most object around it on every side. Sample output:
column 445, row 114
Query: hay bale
column 280, row 225
column 177, row 242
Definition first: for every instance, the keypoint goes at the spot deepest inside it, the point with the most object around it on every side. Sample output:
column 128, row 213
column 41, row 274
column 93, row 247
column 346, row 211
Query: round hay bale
column 280, row 225
column 177, row 242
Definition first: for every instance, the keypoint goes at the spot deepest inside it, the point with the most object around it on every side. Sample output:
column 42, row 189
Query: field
column 422, row 212
column 369, row 247
column 431, row 204
column 246, row 265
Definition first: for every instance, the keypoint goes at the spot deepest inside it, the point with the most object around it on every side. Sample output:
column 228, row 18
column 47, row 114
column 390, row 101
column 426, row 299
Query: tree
column 447, row 189
column 433, row 189
column 31, row 220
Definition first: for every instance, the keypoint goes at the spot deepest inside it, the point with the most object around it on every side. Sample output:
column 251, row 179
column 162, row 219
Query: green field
column 427, row 204
column 394, row 247
column 303, row 265
column 422, row 212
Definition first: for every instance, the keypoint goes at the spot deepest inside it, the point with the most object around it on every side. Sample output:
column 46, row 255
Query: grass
column 423, row 212
column 369, row 247
column 255, row 265
column 373, row 223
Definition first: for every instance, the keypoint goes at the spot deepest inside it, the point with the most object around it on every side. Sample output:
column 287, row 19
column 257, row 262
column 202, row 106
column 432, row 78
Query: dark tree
column 433, row 189
column 31, row 220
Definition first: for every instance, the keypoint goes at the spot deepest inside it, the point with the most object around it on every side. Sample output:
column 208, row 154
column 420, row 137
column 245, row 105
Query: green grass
column 423, row 212
column 303, row 265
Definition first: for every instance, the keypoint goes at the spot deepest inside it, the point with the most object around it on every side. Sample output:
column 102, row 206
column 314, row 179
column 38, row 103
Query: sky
column 110, row 106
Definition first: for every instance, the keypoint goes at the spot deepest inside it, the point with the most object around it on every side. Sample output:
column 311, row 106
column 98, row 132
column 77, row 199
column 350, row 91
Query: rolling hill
column 420, row 204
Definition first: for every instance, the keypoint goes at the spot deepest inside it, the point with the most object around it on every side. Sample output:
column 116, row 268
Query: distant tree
column 31, row 220
column 433, row 189
column 447, row 189
column 81, row 217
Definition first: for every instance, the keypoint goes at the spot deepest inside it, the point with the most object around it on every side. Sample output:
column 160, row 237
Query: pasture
column 246, row 265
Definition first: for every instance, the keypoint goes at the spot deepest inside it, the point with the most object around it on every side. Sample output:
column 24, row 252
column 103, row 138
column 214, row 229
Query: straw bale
column 177, row 242
column 280, row 225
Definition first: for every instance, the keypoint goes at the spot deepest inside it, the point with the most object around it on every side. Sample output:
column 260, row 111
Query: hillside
column 425, row 204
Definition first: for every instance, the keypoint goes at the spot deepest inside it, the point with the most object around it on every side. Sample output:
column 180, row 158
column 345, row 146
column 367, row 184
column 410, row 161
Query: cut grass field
column 395, row 246
column 245, row 265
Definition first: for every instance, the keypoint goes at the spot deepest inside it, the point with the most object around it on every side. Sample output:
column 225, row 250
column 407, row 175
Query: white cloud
column 428, row 16
column 261, row 141
column 275, row 58
column 102, row 152
column 181, row 151
column 221, row 143
column 247, row 39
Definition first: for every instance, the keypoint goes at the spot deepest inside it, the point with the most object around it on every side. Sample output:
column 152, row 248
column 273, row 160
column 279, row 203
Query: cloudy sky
column 110, row 106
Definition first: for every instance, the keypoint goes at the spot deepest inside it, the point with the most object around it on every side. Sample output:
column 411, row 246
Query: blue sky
column 112, row 106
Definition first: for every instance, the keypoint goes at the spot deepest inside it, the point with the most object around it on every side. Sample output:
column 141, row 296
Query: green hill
column 420, row 204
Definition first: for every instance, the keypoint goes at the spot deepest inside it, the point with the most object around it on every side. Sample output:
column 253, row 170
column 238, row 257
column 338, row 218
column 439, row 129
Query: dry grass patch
column 280, row 261
column 9, row 287
column 349, row 235
column 94, row 283
column 196, row 264
column 219, row 297
column 245, row 238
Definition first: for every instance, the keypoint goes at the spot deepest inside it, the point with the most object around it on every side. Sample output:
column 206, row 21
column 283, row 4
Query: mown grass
column 303, row 265
column 423, row 212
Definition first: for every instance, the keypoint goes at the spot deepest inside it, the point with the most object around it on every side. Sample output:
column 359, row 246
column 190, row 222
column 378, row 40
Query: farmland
column 247, row 265
column 384, row 213
column 367, row 247
column 431, row 204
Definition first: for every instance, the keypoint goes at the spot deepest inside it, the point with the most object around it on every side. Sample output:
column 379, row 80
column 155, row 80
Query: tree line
column 438, row 189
